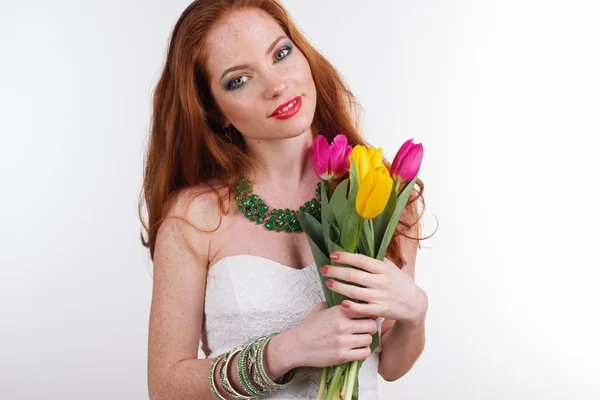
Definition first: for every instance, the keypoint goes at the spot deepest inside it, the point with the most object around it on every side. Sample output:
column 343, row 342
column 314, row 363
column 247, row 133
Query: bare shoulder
column 191, row 217
column 201, row 204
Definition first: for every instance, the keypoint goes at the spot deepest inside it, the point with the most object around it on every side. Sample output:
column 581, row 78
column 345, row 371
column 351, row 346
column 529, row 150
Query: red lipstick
column 290, row 111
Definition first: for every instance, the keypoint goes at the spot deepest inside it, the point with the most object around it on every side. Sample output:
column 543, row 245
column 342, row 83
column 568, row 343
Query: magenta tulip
column 407, row 162
column 331, row 162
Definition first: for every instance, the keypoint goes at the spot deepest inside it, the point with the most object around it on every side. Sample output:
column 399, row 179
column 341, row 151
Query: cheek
column 244, row 109
column 306, row 82
column 238, row 109
column 305, row 72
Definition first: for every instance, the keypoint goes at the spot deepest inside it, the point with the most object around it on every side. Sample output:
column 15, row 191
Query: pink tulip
column 331, row 162
column 407, row 162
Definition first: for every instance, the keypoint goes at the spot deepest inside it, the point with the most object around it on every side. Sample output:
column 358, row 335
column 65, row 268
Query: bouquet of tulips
column 359, row 216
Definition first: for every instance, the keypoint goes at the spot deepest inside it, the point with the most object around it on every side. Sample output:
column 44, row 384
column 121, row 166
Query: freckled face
column 273, row 71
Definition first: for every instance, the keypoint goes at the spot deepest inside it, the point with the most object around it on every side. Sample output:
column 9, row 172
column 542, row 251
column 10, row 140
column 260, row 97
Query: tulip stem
column 372, row 235
column 334, row 386
column 352, row 375
column 360, row 228
column 323, row 385
column 344, row 382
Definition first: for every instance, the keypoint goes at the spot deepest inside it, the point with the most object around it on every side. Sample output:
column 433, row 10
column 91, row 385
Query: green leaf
column 351, row 219
column 353, row 177
column 320, row 261
column 320, row 251
column 350, row 228
column 363, row 246
column 366, row 240
column 381, row 221
column 334, row 237
column 337, row 205
column 324, row 209
column 395, row 218
column 375, row 341
column 313, row 230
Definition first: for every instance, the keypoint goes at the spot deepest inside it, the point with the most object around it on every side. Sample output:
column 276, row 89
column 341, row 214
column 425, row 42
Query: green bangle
column 211, row 376
column 243, row 374
column 263, row 374
column 225, row 379
column 253, row 354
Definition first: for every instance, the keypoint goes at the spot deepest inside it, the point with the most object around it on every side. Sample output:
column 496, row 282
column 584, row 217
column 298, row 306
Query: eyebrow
column 242, row 66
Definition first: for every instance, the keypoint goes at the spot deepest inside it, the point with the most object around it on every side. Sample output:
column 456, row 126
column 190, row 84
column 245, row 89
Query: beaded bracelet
column 243, row 361
column 225, row 379
column 252, row 352
column 252, row 355
column 226, row 357
column 211, row 376
column 264, row 375
column 248, row 360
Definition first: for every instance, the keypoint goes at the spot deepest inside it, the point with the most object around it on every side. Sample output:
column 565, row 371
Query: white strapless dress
column 250, row 296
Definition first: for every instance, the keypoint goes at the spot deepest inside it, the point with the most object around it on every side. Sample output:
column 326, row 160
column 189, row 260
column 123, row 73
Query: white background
column 504, row 96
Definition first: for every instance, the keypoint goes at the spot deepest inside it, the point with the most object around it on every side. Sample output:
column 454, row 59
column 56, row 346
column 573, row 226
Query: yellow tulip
column 365, row 159
column 374, row 192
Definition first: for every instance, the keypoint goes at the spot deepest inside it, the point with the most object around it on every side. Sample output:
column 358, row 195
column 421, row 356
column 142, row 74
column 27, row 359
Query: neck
column 285, row 162
column 286, row 177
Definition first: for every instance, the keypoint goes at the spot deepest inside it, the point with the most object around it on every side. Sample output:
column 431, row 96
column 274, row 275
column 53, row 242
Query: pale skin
column 286, row 180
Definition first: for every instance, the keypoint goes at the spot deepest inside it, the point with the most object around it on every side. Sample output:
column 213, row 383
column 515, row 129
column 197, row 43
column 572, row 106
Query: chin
column 296, row 125
column 296, row 129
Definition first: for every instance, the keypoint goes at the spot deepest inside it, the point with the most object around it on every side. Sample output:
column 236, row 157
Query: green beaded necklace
column 257, row 211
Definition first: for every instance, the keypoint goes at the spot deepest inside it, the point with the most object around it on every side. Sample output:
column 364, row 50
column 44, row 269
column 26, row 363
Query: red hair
column 186, row 145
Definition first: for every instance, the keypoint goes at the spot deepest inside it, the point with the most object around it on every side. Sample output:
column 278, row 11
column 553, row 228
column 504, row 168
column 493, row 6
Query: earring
column 227, row 134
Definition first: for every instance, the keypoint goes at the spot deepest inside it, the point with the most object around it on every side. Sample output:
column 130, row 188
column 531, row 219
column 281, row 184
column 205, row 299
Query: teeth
column 287, row 107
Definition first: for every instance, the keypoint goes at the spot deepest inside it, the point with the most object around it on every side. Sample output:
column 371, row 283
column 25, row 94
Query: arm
column 402, row 344
column 401, row 347
column 189, row 378
column 176, row 317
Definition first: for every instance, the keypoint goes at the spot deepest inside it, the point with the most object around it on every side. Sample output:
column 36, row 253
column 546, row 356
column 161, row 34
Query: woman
column 242, row 96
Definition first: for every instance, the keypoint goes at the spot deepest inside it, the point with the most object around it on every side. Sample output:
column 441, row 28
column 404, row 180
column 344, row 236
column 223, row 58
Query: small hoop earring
column 227, row 134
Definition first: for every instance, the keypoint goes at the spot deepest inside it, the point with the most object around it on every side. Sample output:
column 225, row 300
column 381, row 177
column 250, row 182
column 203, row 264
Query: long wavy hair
column 187, row 147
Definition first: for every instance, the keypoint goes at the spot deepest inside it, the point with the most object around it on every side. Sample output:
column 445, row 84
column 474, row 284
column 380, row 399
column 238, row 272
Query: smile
column 288, row 109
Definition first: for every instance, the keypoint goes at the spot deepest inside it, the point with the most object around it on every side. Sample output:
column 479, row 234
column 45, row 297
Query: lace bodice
column 250, row 296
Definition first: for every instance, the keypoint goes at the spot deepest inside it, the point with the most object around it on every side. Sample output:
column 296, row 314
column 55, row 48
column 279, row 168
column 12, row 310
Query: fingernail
column 324, row 270
column 346, row 304
column 335, row 256
column 329, row 283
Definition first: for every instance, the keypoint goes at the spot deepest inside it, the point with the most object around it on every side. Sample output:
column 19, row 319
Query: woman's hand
column 331, row 336
column 387, row 291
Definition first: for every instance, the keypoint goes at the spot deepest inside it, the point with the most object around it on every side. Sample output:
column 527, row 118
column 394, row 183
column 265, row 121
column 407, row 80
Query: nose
column 275, row 85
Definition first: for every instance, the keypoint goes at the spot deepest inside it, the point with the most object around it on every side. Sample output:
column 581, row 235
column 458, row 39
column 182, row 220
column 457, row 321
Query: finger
column 359, row 260
column 366, row 310
column 366, row 325
column 350, row 274
column 354, row 292
column 360, row 340
column 359, row 353
column 353, row 314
